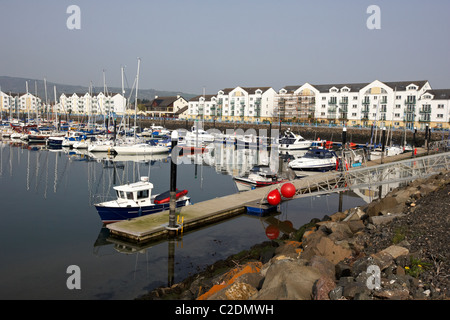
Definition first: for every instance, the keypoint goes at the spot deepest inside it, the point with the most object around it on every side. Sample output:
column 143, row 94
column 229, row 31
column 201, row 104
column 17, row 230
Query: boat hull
column 140, row 150
column 295, row 146
column 114, row 214
column 256, row 183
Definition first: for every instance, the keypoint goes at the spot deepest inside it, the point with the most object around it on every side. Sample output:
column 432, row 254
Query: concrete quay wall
column 356, row 135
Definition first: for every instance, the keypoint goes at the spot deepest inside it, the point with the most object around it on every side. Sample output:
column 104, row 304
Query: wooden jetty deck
column 153, row 227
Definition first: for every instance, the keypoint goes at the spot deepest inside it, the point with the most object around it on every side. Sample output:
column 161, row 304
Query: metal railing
column 356, row 178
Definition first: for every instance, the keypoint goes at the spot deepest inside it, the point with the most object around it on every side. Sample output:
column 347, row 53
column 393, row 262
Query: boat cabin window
column 120, row 194
column 143, row 194
column 130, row 195
column 286, row 140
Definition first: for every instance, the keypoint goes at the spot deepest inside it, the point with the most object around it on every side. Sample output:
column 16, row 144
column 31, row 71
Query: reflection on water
column 49, row 222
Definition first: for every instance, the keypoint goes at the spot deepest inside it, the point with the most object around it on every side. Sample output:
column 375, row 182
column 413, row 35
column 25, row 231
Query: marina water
column 48, row 223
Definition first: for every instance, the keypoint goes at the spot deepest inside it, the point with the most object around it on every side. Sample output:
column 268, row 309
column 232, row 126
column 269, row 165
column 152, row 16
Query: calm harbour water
column 48, row 223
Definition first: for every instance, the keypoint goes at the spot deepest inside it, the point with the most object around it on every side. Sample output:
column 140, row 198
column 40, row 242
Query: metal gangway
column 373, row 176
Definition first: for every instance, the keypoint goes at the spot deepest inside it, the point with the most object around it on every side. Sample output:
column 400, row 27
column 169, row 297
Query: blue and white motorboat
column 291, row 141
column 73, row 137
column 135, row 200
column 55, row 142
column 315, row 160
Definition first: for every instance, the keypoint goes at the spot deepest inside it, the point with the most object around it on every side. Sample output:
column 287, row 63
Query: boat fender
column 167, row 199
column 337, row 164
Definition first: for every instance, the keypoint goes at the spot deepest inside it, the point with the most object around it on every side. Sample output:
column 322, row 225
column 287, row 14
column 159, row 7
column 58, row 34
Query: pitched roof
column 440, row 94
column 354, row 87
column 208, row 97
column 180, row 111
column 252, row 90
column 163, row 101
column 401, row 85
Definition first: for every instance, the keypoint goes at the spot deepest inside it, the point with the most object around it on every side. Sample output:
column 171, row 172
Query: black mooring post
column 383, row 143
column 344, row 137
column 414, row 143
column 173, row 183
column 115, row 131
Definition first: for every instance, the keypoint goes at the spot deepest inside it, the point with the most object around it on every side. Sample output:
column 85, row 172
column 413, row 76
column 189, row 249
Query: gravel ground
column 425, row 231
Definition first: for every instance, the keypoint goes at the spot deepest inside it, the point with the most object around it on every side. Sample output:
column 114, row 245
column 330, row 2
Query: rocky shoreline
column 395, row 248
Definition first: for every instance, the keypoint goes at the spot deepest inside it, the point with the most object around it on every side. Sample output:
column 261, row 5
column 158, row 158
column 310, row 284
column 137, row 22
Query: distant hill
column 18, row 85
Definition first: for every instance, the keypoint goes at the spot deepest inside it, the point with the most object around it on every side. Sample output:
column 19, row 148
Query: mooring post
column 383, row 143
column 344, row 141
column 173, row 184
column 344, row 137
column 414, row 143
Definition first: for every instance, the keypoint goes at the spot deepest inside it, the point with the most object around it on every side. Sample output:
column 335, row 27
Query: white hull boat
column 291, row 141
column 388, row 152
column 140, row 148
column 320, row 160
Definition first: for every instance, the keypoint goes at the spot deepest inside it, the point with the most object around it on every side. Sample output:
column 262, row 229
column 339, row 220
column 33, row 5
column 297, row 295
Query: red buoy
column 274, row 197
column 288, row 190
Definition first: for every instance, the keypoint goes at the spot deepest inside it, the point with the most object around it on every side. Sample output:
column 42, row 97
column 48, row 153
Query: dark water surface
column 48, row 223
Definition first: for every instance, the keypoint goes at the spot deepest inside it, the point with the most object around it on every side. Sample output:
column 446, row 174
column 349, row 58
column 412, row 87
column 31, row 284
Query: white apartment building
column 204, row 106
column 19, row 102
column 85, row 103
column 235, row 104
column 434, row 108
column 402, row 103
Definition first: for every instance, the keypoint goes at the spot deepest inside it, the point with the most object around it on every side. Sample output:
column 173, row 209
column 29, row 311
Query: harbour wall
column 356, row 135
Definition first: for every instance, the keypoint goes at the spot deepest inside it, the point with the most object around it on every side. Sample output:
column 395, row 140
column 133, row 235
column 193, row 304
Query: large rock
column 240, row 291
column 386, row 257
column 324, row 266
column 322, row 288
column 381, row 220
column 288, row 280
column 326, row 248
column 382, row 206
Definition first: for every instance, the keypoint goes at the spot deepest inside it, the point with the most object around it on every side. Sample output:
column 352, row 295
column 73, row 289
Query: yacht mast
column 135, row 100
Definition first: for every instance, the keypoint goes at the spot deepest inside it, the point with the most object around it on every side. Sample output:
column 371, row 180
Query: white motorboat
column 292, row 141
column 388, row 151
column 196, row 135
column 315, row 160
column 259, row 176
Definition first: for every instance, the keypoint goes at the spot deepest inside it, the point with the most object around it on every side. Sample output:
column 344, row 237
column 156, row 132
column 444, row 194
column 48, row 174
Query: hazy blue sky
column 185, row 45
